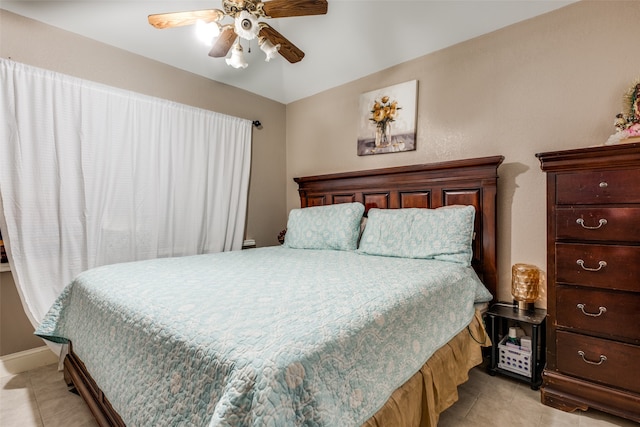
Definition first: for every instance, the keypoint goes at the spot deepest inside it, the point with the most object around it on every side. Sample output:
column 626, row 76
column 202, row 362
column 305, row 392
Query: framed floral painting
column 388, row 119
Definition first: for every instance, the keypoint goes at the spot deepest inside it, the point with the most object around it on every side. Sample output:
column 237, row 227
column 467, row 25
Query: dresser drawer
column 603, row 266
column 599, row 360
column 598, row 187
column 616, row 314
column 620, row 224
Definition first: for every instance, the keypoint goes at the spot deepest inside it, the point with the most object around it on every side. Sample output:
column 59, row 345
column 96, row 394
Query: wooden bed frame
column 466, row 182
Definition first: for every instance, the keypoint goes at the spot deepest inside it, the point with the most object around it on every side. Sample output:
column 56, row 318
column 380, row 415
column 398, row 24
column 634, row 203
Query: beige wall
column 16, row 332
column 31, row 42
column 550, row 83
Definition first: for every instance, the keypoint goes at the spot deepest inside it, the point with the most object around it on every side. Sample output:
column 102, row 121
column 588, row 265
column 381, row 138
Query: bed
column 298, row 334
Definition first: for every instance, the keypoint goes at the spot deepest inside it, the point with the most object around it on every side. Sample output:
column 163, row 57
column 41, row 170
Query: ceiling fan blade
column 288, row 50
column 178, row 19
column 223, row 42
column 284, row 8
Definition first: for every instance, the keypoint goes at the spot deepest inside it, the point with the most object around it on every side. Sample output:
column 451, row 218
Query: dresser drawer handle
column 603, row 184
column 603, row 358
column 601, row 310
column 601, row 265
column 600, row 224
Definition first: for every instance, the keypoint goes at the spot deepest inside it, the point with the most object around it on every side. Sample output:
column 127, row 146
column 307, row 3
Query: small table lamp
column 525, row 285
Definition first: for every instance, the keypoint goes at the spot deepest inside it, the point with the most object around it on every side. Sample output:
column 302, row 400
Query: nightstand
column 517, row 362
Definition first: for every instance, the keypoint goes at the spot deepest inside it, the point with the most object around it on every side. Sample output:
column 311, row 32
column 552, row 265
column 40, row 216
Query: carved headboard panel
column 458, row 182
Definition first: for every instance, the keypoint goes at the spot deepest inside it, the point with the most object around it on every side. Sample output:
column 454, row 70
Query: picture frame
column 387, row 119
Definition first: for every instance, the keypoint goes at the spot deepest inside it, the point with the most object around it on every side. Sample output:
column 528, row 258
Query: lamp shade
column 246, row 25
column 207, row 32
column 237, row 58
column 525, row 284
column 268, row 48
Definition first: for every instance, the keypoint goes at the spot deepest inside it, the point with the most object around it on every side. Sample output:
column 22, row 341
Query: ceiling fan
column 246, row 25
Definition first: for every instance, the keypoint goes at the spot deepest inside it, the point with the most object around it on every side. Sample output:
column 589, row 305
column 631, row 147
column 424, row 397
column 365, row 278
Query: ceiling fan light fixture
column 207, row 32
column 246, row 25
column 269, row 49
column 237, row 58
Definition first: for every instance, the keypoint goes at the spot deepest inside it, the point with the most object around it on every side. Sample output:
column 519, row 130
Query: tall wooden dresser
column 593, row 279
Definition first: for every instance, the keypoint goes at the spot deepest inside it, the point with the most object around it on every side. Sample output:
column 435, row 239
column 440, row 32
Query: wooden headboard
column 458, row 182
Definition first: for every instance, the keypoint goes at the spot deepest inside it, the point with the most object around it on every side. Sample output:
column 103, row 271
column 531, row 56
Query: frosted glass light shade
column 237, row 58
column 269, row 49
column 207, row 32
column 246, row 25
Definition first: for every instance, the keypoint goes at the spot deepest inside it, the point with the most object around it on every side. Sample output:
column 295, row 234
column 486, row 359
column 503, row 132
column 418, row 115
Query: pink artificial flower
column 633, row 130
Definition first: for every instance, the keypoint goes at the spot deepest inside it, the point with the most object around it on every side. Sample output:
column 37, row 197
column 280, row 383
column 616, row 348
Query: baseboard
column 23, row 361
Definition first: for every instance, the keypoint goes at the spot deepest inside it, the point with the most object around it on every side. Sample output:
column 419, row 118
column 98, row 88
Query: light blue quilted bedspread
column 262, row 337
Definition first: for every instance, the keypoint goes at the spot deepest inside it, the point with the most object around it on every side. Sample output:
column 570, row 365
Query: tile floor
column 40, row 398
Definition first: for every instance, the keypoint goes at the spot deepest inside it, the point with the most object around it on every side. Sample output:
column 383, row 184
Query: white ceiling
column 355, row 38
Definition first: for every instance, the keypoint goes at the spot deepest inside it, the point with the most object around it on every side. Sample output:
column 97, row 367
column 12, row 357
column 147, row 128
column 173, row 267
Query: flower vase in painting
column 382, row 114
column 383, row 134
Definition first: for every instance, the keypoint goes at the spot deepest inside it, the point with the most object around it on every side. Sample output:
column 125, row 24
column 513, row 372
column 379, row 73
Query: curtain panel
column 93, row 175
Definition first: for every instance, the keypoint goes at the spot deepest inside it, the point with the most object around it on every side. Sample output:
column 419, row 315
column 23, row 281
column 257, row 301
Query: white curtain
column 93, row 175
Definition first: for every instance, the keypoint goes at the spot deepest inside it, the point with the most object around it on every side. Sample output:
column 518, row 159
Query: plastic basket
column 514, row 359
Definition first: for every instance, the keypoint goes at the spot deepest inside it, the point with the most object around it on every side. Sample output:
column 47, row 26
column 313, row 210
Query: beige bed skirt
column 420, row 401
